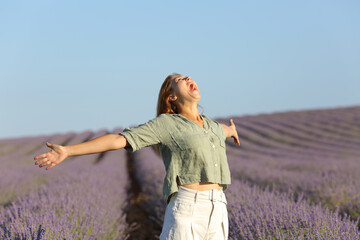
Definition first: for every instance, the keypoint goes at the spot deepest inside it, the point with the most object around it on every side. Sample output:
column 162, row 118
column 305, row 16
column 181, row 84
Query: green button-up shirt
column 190, row 153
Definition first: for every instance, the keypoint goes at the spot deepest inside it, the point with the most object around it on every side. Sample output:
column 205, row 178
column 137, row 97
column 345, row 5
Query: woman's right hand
column 56, row 155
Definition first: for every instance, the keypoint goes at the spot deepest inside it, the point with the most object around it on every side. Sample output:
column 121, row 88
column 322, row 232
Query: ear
column 172, row 98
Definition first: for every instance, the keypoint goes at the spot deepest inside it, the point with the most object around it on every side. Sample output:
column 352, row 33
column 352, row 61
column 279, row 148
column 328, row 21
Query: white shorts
column 195, row 215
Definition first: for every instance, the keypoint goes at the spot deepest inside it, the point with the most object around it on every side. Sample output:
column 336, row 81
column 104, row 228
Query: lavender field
column 295, row 176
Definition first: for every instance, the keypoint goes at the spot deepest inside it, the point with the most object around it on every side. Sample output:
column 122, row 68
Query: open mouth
column 192, row 87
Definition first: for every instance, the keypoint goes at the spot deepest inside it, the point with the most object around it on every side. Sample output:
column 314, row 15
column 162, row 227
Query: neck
column 190, row 112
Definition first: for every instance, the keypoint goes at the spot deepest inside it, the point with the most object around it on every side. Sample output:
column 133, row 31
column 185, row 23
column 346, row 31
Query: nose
column 188, row 78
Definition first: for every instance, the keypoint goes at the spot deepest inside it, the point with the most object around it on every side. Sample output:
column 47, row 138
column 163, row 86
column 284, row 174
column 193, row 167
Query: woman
column 193, row 150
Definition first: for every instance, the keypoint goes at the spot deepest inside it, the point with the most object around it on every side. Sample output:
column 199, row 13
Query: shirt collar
column 203, row 117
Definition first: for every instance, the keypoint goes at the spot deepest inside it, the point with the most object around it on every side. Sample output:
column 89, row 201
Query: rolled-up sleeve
column 144, row 135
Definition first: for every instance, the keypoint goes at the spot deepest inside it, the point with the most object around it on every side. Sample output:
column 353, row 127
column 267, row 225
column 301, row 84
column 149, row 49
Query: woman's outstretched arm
column 59, row 153
column 230, row 131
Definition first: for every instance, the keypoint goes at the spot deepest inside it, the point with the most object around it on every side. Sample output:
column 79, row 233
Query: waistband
column 214, row 195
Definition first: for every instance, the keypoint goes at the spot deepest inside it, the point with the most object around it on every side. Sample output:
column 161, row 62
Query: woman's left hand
column 230, row 131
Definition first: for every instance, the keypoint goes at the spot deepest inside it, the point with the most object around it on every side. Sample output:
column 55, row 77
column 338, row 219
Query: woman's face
column 185, row 88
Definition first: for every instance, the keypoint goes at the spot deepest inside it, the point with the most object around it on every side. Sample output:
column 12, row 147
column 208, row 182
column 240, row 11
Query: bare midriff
column 201, row 186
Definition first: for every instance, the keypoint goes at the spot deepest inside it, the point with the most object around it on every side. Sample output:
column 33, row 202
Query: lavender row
column 288, row 137
column 322, row 139
column 316, row 130
column 19, row 176
column 258, row 214
column 77, row 200
column 258, row 139
column 322, row 121
column 150, row 173
column 253, row 213
column 329, row 177
column 345, row 118
column 85, row 202
column 330, row 182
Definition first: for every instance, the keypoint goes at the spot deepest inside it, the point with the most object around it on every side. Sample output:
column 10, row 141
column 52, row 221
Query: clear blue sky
column 88, row 65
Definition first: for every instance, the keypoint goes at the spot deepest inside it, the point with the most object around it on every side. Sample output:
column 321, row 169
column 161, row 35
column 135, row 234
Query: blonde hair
column 164, row 105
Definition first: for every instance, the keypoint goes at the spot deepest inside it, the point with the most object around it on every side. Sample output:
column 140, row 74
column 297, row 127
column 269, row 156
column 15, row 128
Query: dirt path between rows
column 141, row 227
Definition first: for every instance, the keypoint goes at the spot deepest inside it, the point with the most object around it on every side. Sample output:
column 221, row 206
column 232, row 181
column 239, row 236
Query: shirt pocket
column 183, row 140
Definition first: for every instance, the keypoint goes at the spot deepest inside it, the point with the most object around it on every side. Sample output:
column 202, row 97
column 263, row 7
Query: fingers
column 44, row 155
column 45, row 163
column 41, row 161
column 45, row 158
column 231, row 122
column 49, row 145
column 40, row 156
column 51, row 166
column 236, row 140
column 235, row 135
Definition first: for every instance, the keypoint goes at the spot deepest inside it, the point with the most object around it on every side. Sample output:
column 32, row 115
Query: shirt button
column 213, row 146
column 215, row 164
